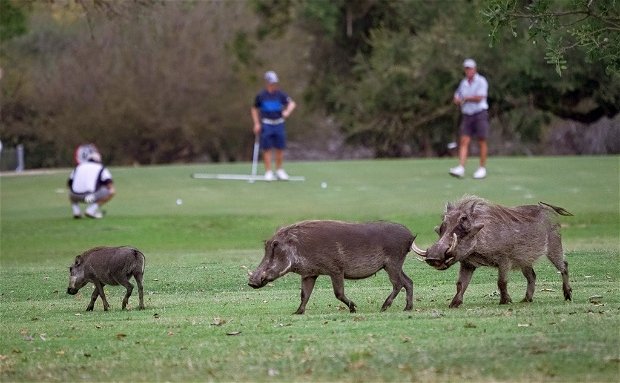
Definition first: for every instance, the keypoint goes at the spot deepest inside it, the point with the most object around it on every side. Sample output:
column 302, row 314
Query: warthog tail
column 139, row 256
column 557, row 209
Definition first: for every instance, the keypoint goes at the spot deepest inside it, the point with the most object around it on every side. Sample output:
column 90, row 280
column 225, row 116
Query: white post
column 20, row 158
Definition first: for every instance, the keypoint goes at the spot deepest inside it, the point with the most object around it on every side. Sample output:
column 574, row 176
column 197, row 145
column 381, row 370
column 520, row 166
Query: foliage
column 142, row 88
column 196, row 283
column 12, row 20
column 394, row 90
column 159, row 82
column 589, row 26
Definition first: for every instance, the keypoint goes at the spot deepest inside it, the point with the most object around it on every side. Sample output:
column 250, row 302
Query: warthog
column 340, row 250
column 107, row 266
column 477, row 233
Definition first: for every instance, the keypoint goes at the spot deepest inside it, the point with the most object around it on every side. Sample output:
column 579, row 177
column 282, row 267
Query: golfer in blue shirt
column 271, row 107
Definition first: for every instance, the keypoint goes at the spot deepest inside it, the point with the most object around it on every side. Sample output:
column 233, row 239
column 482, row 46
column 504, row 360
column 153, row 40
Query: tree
column 592, row 26
column 12, row 20
column 157, row 88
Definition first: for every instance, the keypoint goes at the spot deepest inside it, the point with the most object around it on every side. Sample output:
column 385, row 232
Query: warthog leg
column 530, row 276
column 502, row 285
column 465, row 273
column 138, row 278
column 399, row 280
column 99, row 286
column 129, row 288
column 556, row 256
column 338, row 285
column 307, row 285
column 568, row 291
column 93, row 298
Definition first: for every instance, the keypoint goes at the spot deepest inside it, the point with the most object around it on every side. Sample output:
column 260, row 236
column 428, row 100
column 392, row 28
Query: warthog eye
column 463, row 227
column 441, row 229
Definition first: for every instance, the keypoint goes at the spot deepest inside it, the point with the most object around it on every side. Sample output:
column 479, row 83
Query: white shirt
column 478, row 87
column 86, row 177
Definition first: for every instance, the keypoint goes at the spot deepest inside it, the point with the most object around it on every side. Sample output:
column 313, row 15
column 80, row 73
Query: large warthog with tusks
column 107, row 266
column 340, row 250
column 478, row 233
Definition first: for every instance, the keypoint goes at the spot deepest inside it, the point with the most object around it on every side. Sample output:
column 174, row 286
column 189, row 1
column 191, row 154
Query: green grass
column 196, row 283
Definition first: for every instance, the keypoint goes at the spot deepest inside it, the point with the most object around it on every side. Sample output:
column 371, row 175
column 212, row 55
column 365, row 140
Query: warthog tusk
column 249, row 273
column 453, row 244
column 417, row 250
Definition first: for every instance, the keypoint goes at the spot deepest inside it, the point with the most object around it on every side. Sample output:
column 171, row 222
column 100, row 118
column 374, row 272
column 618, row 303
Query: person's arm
column 458, row 98
column 70, row 180
column 289, row 108
column 255, row 119
column 473, row 98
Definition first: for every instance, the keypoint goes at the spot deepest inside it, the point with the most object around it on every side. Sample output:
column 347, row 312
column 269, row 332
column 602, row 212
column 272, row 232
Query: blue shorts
column 272, row 136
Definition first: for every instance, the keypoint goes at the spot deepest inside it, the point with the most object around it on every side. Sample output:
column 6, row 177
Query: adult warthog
column 477, row 233
column 341, row 250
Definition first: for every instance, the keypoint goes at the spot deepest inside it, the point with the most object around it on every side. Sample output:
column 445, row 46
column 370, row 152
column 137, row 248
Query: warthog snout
column 254, row 284
column 257, row 280
column 72, row 291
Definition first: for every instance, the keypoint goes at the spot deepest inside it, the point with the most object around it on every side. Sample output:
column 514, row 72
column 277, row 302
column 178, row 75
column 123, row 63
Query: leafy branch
column 591, row 25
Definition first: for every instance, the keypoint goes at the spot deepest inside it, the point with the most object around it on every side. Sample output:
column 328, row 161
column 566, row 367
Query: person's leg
column 100, row 197
column 279, row 158
column 75, row 199
column 280, row 145
column 266, row 142
column 482, row 128
column 267, row 159
column 106, row 195
column 483, row 152
column 463, row 149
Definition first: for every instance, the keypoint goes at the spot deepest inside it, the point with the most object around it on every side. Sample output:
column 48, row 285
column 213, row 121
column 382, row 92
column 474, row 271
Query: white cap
column 271, row 77
column 469, row 63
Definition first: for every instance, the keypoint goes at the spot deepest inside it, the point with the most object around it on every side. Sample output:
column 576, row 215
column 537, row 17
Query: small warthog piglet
column 107, row 266
column 478, row 233
column 341, row 250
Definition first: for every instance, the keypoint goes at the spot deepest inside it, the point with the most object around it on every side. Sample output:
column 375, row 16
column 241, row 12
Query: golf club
column 254, row 159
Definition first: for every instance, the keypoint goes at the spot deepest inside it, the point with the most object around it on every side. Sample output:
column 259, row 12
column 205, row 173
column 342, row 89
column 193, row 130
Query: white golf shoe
column 281, row 174
column 77, row 212
column 92, row 211
column 269, row 176
column 480, row 173
column 458, row 171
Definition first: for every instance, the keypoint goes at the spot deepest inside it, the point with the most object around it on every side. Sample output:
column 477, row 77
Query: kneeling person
column 91, row 183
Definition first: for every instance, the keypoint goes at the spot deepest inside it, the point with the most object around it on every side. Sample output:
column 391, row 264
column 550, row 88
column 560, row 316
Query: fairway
column 202, row 321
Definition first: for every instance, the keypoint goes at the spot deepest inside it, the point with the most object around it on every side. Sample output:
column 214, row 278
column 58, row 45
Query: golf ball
column 324, row 185
column 179, row 201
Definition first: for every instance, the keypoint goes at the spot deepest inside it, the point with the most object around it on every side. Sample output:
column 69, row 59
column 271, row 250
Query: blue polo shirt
column 271, row 105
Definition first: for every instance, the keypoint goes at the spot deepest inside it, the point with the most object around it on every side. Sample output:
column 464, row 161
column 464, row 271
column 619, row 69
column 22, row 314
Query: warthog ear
column 78, row 260
column 272, row 247
column 473, row 208
column 449, row 206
